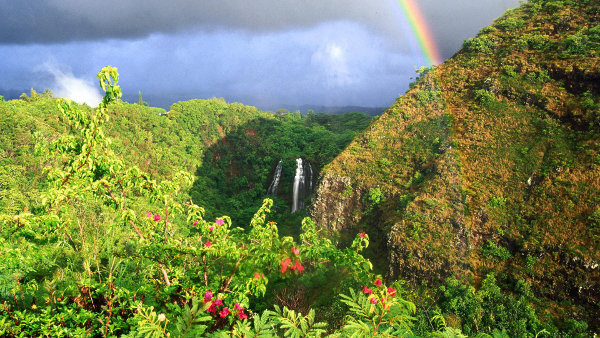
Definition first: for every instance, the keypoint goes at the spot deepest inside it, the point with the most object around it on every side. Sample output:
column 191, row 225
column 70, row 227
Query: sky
column 265, row 53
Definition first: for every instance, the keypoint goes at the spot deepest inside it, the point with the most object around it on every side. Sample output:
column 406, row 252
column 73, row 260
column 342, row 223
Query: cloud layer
column 260, row 52
column 57, row 21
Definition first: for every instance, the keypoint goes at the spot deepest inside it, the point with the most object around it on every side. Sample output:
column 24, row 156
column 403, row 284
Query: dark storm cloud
column 47, row 21
column 55, row 21
column 329, row 64
column 324, row 52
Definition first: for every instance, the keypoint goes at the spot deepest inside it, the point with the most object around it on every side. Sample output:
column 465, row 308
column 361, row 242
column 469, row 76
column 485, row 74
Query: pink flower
column 224, row 312
column 373, row 300
column 362, row 235
column 208, row 295
column 377, row 282
column 211, row 228
column 149, row 215
column 219, row 221
column 242, row 314
column 208, row 244
column 391, row 291
column 295, row 251
column 157, row 217
column 195, row 222
column 367, row 290
column 212, row 309
column 218, row 302
column 238, row 307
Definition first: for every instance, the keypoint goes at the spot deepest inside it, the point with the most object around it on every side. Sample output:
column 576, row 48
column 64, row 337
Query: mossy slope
column 490, row 162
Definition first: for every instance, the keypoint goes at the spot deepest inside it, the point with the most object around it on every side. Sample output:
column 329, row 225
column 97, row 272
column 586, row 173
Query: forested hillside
column 489, row 164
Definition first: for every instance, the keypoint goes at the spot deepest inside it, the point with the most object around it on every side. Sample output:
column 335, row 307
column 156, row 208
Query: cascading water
column 302, row 184
column 274, row 187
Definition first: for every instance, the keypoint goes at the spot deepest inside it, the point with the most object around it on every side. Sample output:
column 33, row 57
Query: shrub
column 484, row 97
column 577, row 44
column 480, row 44
column 498, row 253
column 510, row 23
column 426, row 96
column 537, row 42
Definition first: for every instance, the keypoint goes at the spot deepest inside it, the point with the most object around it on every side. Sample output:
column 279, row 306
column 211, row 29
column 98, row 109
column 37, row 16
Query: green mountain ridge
column 489, row 163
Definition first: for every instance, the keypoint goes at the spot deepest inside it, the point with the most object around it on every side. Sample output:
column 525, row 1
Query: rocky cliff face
column 490, row 162
column 337, row 203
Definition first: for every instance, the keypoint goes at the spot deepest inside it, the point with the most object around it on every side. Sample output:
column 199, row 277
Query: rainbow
column 417, row 31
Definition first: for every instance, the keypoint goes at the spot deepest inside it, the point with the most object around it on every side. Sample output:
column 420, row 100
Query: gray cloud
column 57, row 21
column 264, row 53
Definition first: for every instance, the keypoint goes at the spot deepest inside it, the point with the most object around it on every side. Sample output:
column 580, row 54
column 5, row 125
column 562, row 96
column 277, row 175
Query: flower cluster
column 155, row 217
column 288, row 263
column 223, row 312
column 384, row 293
column 213, row 308
column 240, row 311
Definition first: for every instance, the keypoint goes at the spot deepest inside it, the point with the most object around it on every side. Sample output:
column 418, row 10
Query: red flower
column 373, row 300
column 211, row 228
column 157, row 217
column 208, row 244
column 256, row 275
column 219, row 221
column 238, row 307
column 367, row 290
column 284, row 264
column 195, row 222
column 218, row 302
column 299, row 267
column 208, row 295
column 391, row 291
column 362, row 235
column 295, row 251
column 224, row 312
column 377, row 282
column 242, row 315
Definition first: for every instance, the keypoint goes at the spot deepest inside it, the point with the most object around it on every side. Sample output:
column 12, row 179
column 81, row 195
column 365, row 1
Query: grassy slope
column 491, row 161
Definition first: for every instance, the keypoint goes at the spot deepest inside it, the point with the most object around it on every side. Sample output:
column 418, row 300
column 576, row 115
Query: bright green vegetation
column 110, row 251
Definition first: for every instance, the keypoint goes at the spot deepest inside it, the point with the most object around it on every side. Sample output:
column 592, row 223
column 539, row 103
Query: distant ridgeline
column 232, row 148
column 489, row 163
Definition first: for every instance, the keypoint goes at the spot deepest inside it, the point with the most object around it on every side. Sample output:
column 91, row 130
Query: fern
column 189, row 324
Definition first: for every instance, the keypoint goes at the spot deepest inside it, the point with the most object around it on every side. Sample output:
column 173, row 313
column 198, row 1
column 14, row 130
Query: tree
column 140, row 100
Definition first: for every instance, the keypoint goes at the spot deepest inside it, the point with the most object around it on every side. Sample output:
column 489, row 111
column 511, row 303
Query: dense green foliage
column 237, row 170
column 91, row 260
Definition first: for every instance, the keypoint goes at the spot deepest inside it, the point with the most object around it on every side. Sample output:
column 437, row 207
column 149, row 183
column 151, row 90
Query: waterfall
column 275, row 183
column 302, row 184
